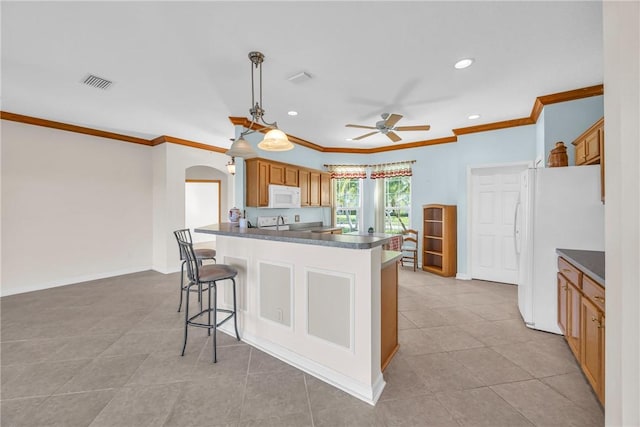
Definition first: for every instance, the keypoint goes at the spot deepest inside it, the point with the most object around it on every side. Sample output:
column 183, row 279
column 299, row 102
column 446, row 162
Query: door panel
column 494, row 199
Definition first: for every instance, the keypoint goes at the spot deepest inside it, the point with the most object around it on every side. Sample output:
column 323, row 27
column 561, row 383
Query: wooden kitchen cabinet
column 589, row 149
column 303, row 183
column 388, row 312
column 257, row 182
column 314, row 188
column 325, row 189
column 588, row 145
column 563, row 308
column 592, row 349
column 581, row 318
column 280, row 174
column 261, row 172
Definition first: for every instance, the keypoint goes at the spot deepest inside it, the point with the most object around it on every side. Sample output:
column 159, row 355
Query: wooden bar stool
column 207, row 275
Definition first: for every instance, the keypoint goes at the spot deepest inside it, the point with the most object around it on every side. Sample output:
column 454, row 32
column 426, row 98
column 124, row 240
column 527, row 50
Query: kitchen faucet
column 280, row 217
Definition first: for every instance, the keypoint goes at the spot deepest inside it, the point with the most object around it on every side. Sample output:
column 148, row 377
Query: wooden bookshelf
column 439, row 251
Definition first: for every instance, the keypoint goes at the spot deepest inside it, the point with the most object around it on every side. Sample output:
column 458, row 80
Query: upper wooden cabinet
column 303, row 181
column 588, row 146
column 315, row 186
column 325, row 189
column 589, row 149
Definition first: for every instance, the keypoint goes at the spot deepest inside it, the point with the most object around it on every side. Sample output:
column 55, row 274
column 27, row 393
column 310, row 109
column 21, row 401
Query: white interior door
column 493, row 202
column 202, row 206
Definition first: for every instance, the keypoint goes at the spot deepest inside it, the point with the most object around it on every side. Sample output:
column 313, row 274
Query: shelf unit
column 439, row 253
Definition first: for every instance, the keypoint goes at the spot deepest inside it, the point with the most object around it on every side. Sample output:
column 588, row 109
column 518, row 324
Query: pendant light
column 275, row 139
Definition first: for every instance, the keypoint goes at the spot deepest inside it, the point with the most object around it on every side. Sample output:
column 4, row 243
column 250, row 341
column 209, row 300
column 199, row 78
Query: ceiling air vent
column 98, row 82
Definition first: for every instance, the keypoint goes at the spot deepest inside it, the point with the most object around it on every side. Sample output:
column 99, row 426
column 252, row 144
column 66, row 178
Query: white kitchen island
column 312, row 300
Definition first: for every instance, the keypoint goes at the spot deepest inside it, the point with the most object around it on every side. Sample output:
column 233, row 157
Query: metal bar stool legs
column 212, row 315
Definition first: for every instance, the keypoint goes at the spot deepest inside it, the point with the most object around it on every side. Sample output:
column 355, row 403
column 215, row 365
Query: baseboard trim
column 69, row 281
column 463, row 276
column 369, row 394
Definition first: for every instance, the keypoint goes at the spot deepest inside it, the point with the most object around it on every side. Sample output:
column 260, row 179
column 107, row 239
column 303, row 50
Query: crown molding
column 538, row 105
column 173, row 140
column 4, row 115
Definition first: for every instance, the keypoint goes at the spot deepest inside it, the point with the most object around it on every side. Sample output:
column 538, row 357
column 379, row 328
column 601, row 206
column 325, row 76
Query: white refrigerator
column 558, row 208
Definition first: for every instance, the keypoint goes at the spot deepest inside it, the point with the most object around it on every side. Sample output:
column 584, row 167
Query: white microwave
column 283, row 196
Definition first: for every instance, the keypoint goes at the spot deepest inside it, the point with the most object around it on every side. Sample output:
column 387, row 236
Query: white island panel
column 354, row 368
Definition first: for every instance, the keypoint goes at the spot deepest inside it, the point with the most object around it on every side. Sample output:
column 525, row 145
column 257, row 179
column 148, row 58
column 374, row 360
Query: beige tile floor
column 106, row 353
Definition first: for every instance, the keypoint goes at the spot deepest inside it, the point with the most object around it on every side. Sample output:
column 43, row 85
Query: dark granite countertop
column 314, row 227
column 590, row 262
column 292, row 236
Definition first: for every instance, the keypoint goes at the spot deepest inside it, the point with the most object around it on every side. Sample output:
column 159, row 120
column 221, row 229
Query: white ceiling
column 181, row 68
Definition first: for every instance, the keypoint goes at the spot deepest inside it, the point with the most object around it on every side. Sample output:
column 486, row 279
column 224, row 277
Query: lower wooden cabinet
column 388, row 314
column 581, row 318
column 592, row 349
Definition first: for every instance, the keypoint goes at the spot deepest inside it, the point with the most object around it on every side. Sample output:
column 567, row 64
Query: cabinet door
column 592, row 142
column 263, row 184
column 563, row 288
column 592, row 354
column 291, row 176
column 573, row 319
column 276, row 174
column 314, row 189
column 303, row 183
column 581, row 152
column 325, row 189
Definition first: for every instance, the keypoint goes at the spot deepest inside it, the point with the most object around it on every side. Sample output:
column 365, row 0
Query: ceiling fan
column 387, row 127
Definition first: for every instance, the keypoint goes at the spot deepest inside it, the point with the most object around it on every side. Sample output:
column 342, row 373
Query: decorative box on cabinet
column 581, row 318
column 439, row 242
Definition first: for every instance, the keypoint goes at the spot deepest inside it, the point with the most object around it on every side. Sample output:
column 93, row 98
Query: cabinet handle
column 566, row 270
column 598, row 298
column 565, row 287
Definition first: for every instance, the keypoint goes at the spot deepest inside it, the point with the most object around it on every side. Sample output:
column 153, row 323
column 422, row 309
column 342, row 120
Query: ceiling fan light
column 241, row 148
column 275, row 140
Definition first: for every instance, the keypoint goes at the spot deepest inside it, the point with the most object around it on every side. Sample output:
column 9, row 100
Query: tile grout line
column 306, row 389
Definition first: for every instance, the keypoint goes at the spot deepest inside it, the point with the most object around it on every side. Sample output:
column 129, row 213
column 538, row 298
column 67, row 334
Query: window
column 348, row 204
column 397, row 204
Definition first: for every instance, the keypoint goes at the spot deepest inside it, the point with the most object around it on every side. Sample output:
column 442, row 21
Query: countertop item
column 366, row 241
column 590, row 262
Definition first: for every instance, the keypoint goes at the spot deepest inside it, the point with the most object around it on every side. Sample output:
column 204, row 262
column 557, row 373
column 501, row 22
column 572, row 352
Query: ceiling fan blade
column 423, row 127
column 392, row 120
column 392, row 136
column 360, row 126
column 364, row 136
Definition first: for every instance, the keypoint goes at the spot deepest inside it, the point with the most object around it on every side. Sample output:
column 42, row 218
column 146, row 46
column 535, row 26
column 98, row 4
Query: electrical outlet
column 297, row 218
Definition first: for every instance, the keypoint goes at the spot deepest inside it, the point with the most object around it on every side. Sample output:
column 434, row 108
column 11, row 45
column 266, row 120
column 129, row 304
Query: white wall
column 170, row 164
column 75, row 207
column 622, row 211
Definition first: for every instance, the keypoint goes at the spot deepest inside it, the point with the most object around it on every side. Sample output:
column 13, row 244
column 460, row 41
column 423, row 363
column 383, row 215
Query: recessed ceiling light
column 348, row 139
column 292, row 113
column 463, row 63
column 474, row 116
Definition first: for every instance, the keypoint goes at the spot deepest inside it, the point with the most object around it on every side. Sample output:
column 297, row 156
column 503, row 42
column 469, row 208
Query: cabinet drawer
column 570, row 272
column 593, row 291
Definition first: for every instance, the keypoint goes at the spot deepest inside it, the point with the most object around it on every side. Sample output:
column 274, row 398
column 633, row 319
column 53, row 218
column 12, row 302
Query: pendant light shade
column 231, row 166
column 241, row 148
column 275, row 140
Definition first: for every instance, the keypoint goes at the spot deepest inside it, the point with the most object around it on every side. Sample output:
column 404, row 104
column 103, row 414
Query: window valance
column 383, row 170
column 389, row 170
column 347, row 171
